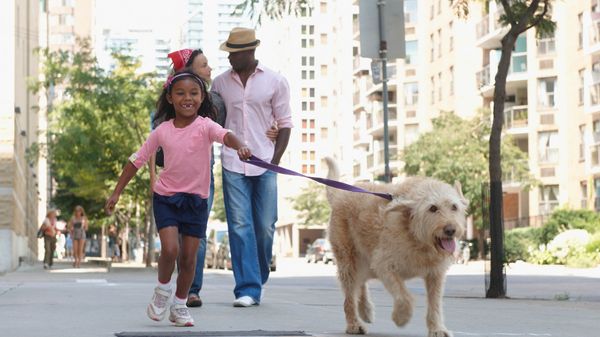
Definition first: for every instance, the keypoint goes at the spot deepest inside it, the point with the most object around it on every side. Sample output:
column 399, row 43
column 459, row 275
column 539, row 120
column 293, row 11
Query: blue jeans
column 201, row 255
column 251, row 208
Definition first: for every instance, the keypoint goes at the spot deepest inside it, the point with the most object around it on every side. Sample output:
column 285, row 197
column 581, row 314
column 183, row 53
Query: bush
column 520, row 242
column 564, row 219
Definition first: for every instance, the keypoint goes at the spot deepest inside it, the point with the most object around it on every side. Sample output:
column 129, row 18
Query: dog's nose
column 449, row 230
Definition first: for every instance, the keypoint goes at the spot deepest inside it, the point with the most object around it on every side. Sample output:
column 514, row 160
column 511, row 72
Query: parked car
column 319, row 250
column 223, row 255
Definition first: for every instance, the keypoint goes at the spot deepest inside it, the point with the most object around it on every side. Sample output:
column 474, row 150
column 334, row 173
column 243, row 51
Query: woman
column 49, row 229
column 77, row 226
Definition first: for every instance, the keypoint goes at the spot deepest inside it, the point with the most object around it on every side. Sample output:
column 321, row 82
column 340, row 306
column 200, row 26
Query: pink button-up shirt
column 187, row 155
column 251, row 111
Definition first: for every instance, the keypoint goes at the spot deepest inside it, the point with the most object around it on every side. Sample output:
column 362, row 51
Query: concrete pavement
column 300, row 299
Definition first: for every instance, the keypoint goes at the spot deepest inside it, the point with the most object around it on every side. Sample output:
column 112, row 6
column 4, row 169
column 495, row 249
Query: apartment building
column 20, row 194
column 66, row 21
column 549, row 110
column 311, row 51
column 437, row 74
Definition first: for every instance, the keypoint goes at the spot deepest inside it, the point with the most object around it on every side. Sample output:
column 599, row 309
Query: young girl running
column 182, row 189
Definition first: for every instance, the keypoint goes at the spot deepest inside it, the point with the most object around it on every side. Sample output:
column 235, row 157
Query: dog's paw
column 441, row 333
column 356, row 329
column 365, row 311
column 402, row 313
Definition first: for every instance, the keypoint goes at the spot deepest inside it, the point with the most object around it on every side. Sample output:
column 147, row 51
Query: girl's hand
column 272, row 133
column 109, row 207
column 244, row 153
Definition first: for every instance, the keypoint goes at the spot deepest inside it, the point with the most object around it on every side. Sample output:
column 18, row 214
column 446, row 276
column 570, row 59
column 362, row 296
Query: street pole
column 383, row 56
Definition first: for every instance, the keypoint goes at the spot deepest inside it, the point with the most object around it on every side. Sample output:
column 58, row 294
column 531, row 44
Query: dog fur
column 395, row 241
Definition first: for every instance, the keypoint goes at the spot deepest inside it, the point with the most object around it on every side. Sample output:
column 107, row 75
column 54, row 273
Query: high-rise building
column 20, row 193
column 207, row 25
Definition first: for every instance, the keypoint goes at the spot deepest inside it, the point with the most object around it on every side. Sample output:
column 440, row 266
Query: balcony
column 489, row 32
column 393, row 153
column 516, row 77
column 484, row 77
column 360, row 64
column 593, row 42
column 516, row 119
column 592, row 92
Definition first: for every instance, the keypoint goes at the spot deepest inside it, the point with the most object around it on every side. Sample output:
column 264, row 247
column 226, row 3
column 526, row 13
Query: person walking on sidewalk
column 77, row 226
column 197, row 61
column 181, row 190
column 255, row 98
column 49, row 230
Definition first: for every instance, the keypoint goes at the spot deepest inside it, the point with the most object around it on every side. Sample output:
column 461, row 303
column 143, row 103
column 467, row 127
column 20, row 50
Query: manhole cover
column 253, row 333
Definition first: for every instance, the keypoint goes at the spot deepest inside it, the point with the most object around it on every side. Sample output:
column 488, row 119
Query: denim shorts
column 187, row 211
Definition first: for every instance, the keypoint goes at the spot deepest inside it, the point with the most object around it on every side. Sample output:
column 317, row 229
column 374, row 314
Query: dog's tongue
column 449, row 245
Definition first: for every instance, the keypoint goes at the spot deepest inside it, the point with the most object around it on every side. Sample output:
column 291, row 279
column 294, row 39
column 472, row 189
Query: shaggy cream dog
column 411, row 236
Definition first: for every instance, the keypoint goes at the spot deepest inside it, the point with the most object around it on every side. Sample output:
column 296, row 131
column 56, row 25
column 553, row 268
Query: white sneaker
column 158, row 306
column 180, row 315
column 244, row 302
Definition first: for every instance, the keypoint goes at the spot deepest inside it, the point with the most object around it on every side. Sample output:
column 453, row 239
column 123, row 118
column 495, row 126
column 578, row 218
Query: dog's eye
column 454, row 207
column 433, row 208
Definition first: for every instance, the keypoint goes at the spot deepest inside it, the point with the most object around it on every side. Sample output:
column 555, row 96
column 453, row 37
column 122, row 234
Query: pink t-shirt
column 187, row 155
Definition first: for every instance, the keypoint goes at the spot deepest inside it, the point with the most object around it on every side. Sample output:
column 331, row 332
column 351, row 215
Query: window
column 304, row 74
column 451, row 82
column 311, row 75
column 323, row 70
column 584, row 194
column 312, row 92
column 410, row 11
column 304, row 169
column 324, row 133
column 304, row 92
column 411, row 93
column 432, row 43
column 312, row 137
column 548, row 147
column 323, row 9
column 580, row 30
column 432, row 80
column 303, row 60
column 548, row 198
column 312, row 155
column 412, row 50
column 439, row 86
column 324, row 39
column 312, row 123
column 312, row 169
column 546, row 45
column 304, row 123
column 304, row 137
column 411, row 133
column 312, row 106
column 581, row 142
column 311, row 60
column 581, row 84
column 324, row 101
column 546, row 89
column 304, row 155
column 304, row 106
column 439, row 43
column 451, row 38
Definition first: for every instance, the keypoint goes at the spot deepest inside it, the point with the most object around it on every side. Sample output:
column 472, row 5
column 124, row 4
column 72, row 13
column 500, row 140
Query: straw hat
column 240, row 39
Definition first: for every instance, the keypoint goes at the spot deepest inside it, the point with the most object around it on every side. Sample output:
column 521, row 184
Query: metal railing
column 483, row 77
column 516, row 117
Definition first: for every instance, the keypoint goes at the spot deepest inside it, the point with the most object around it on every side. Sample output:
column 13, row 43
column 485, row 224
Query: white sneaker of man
column 157, row 308
column 180, row 315
column 244, row 302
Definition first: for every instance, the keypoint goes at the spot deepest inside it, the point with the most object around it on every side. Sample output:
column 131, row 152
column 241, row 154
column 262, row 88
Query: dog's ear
column 403, row 206
column 458, row 188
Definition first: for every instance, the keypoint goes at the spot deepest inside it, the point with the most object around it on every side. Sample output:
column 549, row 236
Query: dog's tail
column 332, row 173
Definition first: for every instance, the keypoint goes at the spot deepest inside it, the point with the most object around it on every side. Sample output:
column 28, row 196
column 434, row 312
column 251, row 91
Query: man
column 255, row 98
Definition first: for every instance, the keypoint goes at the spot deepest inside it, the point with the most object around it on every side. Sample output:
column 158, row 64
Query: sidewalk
column 301, row 299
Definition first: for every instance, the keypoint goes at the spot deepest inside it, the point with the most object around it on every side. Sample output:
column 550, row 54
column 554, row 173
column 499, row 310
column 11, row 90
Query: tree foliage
column 101, row 120
column 311, row 205
column 457, row 150
column 273, row 9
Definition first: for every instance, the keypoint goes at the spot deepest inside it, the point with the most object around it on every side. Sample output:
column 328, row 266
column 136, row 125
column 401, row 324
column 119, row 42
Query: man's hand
column 272, row 133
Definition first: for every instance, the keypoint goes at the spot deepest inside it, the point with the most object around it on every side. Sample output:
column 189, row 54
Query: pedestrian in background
column 78, row 226
column 198, row 63
column 49, row 230
column 255, row 98
column 182, row 188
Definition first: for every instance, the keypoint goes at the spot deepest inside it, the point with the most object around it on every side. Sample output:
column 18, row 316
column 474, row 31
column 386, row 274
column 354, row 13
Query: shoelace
column 182, row 312
column 160, row 300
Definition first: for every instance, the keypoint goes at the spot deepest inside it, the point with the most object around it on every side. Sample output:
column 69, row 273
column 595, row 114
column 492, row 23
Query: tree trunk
column 497, row 289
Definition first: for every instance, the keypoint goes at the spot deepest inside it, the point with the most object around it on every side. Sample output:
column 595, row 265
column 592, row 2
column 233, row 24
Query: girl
column 77, row 226
column 182, row 188
column 49, row 229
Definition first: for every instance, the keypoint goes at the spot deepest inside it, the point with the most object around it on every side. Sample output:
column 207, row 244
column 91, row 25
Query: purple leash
column 333, row 183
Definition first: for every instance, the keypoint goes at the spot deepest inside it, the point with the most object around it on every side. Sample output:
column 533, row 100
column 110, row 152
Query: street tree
column 101, row 119
column 456, row 149
column 519, row 16
column 311, row 205
column 273, row 9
